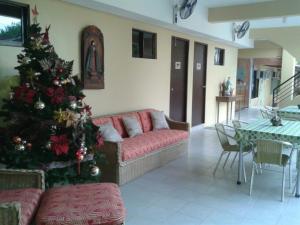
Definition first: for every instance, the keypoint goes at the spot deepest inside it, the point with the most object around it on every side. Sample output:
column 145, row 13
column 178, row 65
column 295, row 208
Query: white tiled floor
column 185, row 192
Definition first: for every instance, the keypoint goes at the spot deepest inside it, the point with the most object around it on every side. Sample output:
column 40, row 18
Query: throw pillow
column 132, row 126
column 109, row 133
column 159, row 120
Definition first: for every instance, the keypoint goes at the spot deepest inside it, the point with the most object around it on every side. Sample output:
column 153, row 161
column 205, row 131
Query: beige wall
column 130, row 83
column 288, row 65
column 260, row 53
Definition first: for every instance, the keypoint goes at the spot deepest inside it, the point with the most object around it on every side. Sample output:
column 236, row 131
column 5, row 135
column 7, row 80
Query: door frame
column 205, row 78
column 186, row 75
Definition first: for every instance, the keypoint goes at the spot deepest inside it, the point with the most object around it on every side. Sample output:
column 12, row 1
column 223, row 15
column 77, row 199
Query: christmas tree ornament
column 17, row 140
column 56, row 82
column 48, row 145
column 79, row 155
column 94, row 170
column 45, row 64
column 29, row 146
column 79, row 104
column 39, row 105
column 73, row 104
column 35, row 13
column 20, row 147
column 37, row 73
column 11, row 95
column 27, row 85
column 46, row 35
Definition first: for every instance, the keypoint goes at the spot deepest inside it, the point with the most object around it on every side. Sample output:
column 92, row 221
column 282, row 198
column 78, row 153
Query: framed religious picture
column 92, row 58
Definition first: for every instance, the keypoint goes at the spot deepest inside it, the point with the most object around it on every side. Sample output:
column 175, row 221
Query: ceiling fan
column 239, row 31
column 185, row 10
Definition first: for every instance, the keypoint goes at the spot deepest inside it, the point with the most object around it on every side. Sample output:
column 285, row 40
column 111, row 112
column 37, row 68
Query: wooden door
column 243, row 84
column 178, row 88
column 199, row 84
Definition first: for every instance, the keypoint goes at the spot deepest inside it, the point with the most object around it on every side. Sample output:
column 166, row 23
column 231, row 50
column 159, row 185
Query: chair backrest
column 266, row 114
column 222, row 134
column 269, row 151
column 236, row 124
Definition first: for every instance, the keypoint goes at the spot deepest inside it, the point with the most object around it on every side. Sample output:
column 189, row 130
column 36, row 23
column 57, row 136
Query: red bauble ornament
column 29, row 146
column 79, row 155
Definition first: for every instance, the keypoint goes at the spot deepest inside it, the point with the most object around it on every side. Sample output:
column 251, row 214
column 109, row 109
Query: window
column 255, row 84
column 143, row 44
column 219, row 56
column 14, row 20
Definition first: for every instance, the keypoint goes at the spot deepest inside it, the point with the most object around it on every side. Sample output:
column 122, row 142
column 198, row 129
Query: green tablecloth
column 290, row 112
column 263, row 129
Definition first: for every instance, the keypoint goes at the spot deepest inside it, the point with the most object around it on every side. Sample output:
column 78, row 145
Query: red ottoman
column 87, row 204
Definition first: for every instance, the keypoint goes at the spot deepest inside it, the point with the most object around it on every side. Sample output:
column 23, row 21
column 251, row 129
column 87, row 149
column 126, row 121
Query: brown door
column 178, row 89
column 199, row 82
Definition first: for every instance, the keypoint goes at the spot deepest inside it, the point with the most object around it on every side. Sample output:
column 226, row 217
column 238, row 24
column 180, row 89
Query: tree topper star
column 35, row 13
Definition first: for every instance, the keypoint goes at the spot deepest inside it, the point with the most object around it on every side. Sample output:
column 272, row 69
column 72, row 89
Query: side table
column 226, row 99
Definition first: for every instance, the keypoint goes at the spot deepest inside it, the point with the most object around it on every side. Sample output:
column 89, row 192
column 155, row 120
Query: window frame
column 25, row 21
column 141, row 43
column 221, row 56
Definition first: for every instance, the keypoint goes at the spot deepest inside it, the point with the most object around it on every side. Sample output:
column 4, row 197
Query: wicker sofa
column 135, row 156
column 20, row 200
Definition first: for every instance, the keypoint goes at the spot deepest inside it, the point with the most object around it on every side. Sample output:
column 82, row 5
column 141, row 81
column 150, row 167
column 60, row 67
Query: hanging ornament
column 39, row 105
column 48, row 145
column 11, row 95
column 17, row 140
column 60, row 70
column 79, row 155
column 56, row 82
column 46, row 35
column 45, row 64
column 79, row 104
column 53, row 129
column 20, row 147
column 29, row 146
column 73, row 104
column 94, row 170
column 37, row 73
column 27, row 85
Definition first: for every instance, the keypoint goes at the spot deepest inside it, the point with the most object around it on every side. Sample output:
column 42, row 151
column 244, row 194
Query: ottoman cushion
column 29, row 199
column 86, row 204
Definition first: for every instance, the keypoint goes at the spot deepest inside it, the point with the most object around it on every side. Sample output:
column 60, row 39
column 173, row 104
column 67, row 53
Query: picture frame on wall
column 92, row 58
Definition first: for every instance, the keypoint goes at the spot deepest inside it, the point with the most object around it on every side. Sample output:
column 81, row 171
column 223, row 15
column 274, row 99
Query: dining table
column 288, row 131
column 289, row 112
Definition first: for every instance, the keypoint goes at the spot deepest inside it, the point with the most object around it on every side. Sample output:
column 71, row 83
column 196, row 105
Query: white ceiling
column 218, row 3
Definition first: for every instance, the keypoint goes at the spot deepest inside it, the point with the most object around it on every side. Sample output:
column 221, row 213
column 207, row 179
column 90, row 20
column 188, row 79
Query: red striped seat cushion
column 86, row 204
column 29, row 199
column 135, row 147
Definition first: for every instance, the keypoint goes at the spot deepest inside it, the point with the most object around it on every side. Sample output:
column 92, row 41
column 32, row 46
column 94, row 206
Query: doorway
column 199, row 84
column 178, row 86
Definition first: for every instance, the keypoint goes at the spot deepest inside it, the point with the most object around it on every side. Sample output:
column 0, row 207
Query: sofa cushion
column 146, row 121
column 118, row 122
column 86, row 204
column 132, row 126
column 109, row 133
column 102, row 120
column 159, row 120
column 29, row 199
column 135, row 147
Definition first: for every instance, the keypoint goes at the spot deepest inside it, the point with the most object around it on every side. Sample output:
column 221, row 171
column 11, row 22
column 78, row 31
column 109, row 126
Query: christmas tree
column 48, row 124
